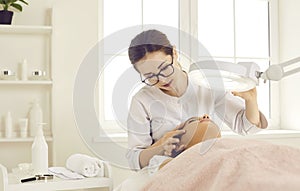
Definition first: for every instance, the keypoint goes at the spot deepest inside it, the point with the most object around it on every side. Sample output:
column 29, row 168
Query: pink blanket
column 231, row 164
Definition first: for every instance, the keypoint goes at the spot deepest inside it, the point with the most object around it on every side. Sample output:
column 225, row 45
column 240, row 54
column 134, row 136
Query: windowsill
column 113, row 137
column 264, row 134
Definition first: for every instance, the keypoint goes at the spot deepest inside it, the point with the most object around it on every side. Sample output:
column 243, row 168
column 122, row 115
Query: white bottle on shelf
column 35, row 117
column 23, row 70
column 39, row 153
column 8, row 125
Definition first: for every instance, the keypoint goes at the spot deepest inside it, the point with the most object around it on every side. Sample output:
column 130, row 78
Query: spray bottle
column 35, row 116
column 40, row 152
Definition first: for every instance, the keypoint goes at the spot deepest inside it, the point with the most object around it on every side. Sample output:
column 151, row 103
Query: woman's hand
column 169, row 142
column 249, row 95
column 252, row 111
column 166, row 145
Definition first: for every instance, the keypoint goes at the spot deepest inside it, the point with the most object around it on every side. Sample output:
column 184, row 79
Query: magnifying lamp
column 225, row 75
column 278, row 71
column 239, row 77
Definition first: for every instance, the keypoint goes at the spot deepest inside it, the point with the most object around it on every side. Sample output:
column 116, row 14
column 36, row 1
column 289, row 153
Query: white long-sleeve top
column 153, row 113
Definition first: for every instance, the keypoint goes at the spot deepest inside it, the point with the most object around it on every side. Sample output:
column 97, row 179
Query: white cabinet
column 17, row 43
column 8, row 182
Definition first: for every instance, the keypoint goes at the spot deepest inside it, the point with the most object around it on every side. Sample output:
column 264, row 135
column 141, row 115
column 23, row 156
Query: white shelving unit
column 27, row 139
column 10, row 182
column 33, row 43
column 28, row 82
column 23, row 29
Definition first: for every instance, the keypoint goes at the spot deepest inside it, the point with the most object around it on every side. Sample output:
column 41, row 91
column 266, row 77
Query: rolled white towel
column 86, row 165
column 155, row 162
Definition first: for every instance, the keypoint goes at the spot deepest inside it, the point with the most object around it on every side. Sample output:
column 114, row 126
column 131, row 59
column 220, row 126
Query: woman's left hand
column 249, row 95
column 252, row 111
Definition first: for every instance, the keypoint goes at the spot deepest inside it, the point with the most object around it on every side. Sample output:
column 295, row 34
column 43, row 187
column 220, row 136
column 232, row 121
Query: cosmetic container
column 23, row 70
column 8, row 125
column 35, row 117
column 39, row 151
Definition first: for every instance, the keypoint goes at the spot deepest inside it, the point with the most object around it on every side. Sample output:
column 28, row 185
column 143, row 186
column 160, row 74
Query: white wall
column 75, row 33
column 289, row 34
column 36, row 13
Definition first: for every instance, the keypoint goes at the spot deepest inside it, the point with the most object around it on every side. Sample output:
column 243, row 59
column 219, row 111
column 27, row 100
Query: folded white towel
column 85, row 165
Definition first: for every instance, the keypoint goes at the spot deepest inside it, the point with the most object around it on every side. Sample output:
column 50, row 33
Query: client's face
column 198, row 130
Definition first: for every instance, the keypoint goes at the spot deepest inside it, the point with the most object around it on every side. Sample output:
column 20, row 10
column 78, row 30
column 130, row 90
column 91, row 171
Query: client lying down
column 197, row 129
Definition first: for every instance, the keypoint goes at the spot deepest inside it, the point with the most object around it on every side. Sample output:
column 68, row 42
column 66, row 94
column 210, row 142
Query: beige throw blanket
column 231, row 164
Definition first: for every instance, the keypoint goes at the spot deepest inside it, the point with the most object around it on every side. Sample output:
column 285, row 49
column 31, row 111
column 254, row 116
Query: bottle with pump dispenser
column 39, row 152
column 35, row 116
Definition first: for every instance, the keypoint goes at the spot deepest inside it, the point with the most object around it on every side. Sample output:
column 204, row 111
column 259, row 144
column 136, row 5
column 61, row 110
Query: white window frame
column 274, row 121
column 109, row 126
column 188, row 23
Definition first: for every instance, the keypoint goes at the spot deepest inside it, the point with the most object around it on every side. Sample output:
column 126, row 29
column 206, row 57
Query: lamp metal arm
column 276, row 72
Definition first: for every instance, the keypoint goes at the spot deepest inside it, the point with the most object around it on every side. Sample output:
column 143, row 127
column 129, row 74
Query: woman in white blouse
column 169, row 98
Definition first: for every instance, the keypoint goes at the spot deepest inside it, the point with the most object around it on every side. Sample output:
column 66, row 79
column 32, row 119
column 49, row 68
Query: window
column 130, row 13
column 237, row 31
column 231, row 30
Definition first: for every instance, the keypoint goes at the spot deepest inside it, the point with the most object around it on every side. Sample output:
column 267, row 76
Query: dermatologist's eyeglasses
column 153, row 79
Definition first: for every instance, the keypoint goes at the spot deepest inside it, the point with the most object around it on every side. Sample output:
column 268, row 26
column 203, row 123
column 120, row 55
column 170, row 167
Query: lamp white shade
column 227, row 76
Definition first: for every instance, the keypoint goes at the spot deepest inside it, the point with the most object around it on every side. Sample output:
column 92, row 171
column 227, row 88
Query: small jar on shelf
column 38, row 75
column 7, row 74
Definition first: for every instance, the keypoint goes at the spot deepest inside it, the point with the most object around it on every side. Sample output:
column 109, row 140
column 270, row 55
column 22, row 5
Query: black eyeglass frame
column 159, row 74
